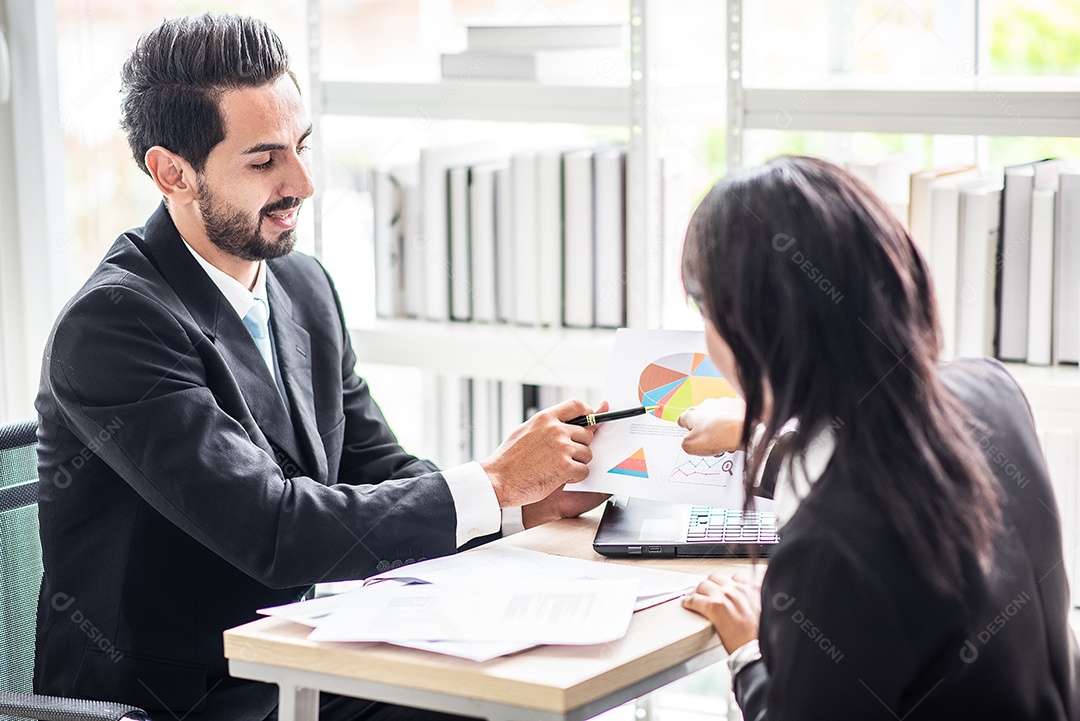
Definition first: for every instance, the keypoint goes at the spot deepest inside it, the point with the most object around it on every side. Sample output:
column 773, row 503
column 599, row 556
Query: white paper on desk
column 306, row 613
column 562, row 612
column 313, row 611
column 495, row 566
column 642, row 456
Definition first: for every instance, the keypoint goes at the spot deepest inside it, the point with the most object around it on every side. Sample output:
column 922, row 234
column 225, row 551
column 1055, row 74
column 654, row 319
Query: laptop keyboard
column 729, row 525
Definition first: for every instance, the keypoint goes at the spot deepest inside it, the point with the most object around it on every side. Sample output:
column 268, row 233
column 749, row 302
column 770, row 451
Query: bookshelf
column 1004, row 106
column 425, row 97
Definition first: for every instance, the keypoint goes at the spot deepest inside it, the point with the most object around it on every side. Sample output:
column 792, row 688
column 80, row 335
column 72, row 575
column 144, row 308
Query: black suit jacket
column 849, row 629
column 179, row 493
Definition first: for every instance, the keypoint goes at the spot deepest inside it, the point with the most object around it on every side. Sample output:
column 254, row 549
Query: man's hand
column 732, row 604
column 715, row 426
column 541, row 455
column 561, row 503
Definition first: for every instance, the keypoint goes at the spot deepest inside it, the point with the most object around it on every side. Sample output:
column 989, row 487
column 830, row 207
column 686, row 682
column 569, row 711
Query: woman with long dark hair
column 919, row 572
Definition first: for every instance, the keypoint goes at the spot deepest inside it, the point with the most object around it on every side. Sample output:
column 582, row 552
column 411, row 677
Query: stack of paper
column 489, row 603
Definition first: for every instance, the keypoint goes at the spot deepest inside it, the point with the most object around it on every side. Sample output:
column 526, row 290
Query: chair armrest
column 55, row 708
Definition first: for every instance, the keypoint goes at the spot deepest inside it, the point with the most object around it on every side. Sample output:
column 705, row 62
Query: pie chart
column 677, row 382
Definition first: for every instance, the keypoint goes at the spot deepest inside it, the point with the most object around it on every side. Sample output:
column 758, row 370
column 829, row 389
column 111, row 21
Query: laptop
column 638, row 527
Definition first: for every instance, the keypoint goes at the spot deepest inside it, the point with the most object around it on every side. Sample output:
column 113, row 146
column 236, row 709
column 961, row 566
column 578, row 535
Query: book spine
column 549, row 233
column 944, row 261
column 523, row 192
column 460, row 272
column 482, row 241
column 1067, row 271
column 609, row 172
column 1040, row 284
column 386, row 239
column 412, row 243
column 979, row 217
column 434, row 246
column 504, row 247
column 578, row 240
column 1015, row 267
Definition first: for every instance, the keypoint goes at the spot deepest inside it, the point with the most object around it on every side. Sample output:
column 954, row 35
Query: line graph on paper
column 716, row 470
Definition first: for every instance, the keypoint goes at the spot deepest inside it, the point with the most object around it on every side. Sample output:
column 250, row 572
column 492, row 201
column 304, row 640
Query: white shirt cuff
column 742, row 657
column 474, row 501
column 511, row 520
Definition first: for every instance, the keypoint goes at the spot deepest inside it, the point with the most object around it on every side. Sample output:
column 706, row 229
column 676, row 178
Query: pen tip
column 650, row 409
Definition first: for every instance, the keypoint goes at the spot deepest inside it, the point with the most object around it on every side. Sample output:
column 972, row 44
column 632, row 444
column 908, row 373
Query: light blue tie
column 255, row 321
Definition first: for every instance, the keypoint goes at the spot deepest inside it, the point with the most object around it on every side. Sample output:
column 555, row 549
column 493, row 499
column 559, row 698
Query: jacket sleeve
column 121, row 365
column 829, row 641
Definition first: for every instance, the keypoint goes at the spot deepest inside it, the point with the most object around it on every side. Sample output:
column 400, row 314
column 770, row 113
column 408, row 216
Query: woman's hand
column 732, row 604
column 715, row 426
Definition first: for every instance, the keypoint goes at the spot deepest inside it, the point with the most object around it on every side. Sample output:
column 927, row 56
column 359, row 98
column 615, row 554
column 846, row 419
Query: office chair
column 20, row 581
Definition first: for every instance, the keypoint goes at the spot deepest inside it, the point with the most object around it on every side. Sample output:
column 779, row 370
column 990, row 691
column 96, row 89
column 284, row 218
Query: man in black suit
column 205, row 447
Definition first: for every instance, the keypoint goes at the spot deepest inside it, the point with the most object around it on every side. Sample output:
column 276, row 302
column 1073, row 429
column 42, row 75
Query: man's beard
column 233, row 231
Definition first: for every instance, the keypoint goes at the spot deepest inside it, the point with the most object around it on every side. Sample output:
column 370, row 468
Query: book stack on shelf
column 551, row 53
column 1004, row 251
column 534, row 239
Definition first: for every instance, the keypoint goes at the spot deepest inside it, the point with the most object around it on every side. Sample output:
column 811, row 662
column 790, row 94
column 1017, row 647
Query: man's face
column 250, row 190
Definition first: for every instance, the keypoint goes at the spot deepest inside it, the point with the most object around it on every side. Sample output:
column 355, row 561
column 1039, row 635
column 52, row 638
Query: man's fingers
column 570, row 409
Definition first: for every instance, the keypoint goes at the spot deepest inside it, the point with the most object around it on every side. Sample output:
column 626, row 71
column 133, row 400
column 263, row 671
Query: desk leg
column 298, row 704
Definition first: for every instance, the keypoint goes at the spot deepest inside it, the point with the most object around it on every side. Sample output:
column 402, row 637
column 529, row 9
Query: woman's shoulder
column 983, row 383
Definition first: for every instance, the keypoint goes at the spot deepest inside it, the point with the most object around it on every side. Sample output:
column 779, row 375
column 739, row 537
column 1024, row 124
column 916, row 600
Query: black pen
column 593, row 418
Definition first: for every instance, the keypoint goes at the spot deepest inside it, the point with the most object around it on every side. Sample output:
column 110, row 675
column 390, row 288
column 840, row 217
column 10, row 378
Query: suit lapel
column 294, row 359
column 220, row 323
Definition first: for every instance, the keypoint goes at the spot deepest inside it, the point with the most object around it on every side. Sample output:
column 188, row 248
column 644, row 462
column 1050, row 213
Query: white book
column 494, row 437
column 609, row 232
column 549, row 232
column 980, row 224
column 1015, row 262
column 460, row 271
column 504, row 247
column 919, row 204
column 541, row 37
column 578, row 244
column 464, row 416
column 572, row 65
column 945, row 254
column 435, row 245
column 1015, row 254
column 524, row 199
column 387, row 237
column 1041, row 281
column 512, row 407
column 1067, row 270
column 482, row 241
column 412, row 253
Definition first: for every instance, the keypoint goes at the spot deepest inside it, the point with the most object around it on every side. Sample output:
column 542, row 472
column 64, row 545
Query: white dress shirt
column 475, row 504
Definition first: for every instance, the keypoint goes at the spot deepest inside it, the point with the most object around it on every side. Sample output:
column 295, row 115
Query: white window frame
column 33, row 280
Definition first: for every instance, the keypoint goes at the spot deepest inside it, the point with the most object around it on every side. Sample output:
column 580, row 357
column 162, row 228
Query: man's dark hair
column 172, row 82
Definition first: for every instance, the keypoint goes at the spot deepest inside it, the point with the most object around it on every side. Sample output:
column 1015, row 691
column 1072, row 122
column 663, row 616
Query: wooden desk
column 548, row 683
